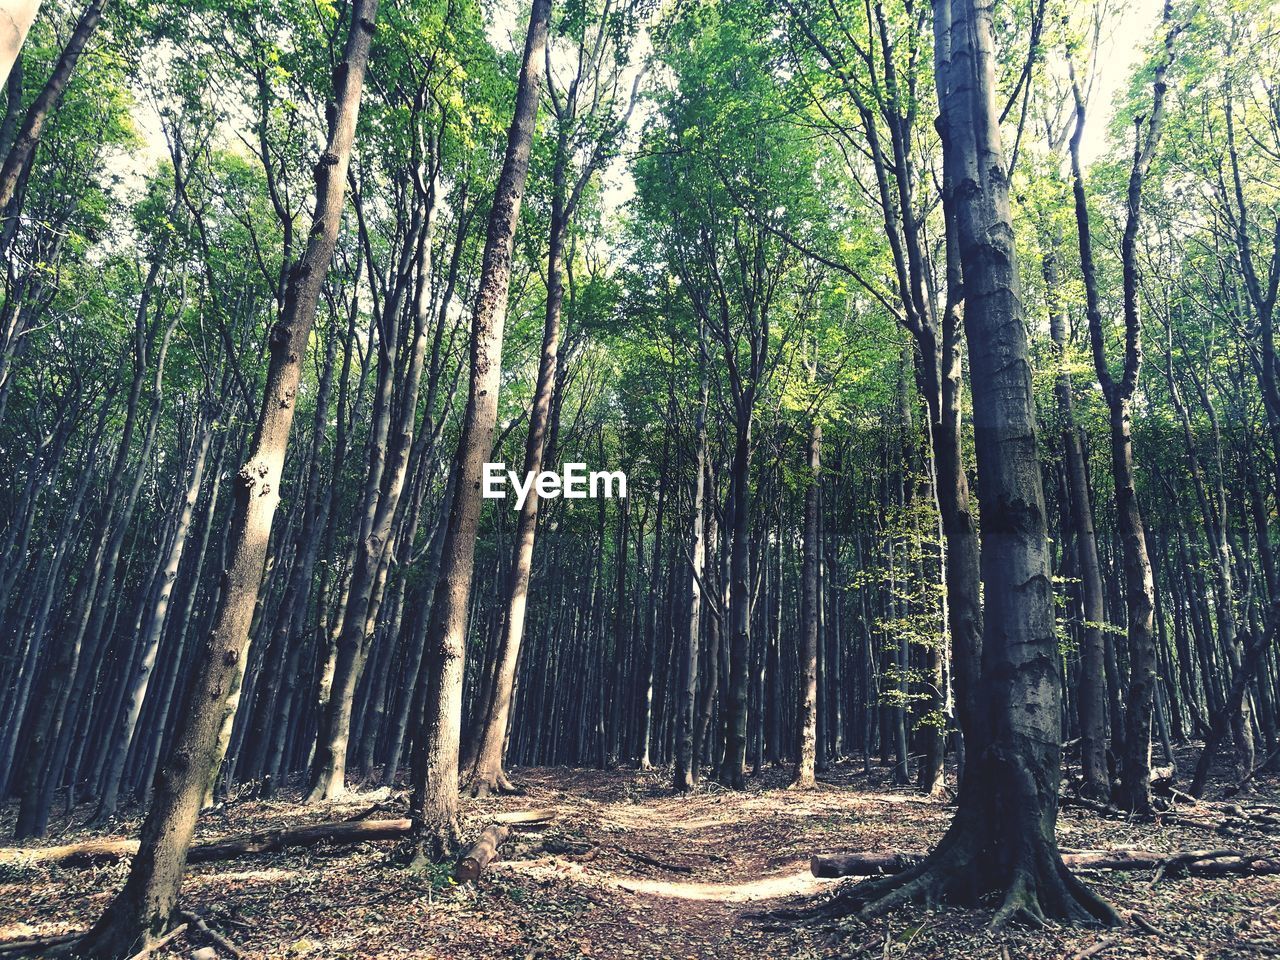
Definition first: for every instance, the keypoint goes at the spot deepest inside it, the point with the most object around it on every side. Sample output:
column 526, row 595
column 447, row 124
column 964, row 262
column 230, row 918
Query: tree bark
column 153, row 629
column 685, row 774
column 434, row 804
column 24, row 145
column 807, row 712
column 1135, row 765
column 140, row 911
column 488, row 773
column 1090, row 699
column 1002, row 838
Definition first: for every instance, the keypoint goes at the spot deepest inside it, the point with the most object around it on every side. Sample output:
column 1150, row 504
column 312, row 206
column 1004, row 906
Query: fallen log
column 83, row 854
column 268, row 841
column 866, row 864
column 526, row 818
column 33, row 944
column 1203, row 863
column 475, row 858
column 91, row 852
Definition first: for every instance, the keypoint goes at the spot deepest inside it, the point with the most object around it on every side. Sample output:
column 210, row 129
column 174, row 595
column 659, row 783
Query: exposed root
column 1020, row 905
column 1039, row 889
column 493, row 784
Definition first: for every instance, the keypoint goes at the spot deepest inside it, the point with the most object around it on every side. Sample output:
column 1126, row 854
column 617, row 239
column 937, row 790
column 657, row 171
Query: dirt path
column 629, row 871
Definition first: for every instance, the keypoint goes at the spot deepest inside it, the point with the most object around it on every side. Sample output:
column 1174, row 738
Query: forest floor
column 642, row 874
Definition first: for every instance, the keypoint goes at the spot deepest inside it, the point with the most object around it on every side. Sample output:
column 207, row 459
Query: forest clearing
column 624, row 869
column 716, row 478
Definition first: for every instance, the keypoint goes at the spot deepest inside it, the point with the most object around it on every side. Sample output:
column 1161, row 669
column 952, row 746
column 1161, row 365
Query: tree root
column 435, row 841
column 493, row 784
column 1038, row 888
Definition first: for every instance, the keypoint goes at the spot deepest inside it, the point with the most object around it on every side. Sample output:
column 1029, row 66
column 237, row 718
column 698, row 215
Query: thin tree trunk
column 1135, row 766
column 807, row 715
column 488, row 773
column 139, row 913
column 24, row 145
column 1090, row 699
column 685, row 775
column 434, row 804
column 152, row 631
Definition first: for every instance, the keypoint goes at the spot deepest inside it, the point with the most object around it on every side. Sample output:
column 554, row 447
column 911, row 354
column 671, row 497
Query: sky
column 1118, row 54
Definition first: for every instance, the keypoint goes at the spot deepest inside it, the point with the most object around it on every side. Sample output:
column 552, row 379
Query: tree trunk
column 329, row 773
column 1135, row 765
column 140, row 911
column 1090, row 699
column 434, row 805
column 807, row 714
column 739, row 613
column 24, row 145
column 685, row 776
column 488, row 773
column 152, row 632
column 1002, row 838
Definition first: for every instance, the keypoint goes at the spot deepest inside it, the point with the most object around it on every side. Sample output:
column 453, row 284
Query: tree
column 139, row 913
column 1002, row 837
column 434, row 805
column 1135, row 774
column 590, row 115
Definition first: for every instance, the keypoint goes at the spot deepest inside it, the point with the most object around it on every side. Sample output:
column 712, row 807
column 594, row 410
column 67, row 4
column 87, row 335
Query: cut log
column 267, row 841
column 867, row 864
column 1202, row 863
column 474, row 859
column 526, row 818
column 83, row 854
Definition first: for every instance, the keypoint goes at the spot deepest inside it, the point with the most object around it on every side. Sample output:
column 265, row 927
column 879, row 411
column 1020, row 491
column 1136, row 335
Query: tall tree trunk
column 64, row 666
column 329, row 773
column 739, row 614
column 24, row 145
column 1135, row 762
column 685, row 776
column 434, row 804
column 712, row 566
column 488, row 773
column 140, row 912
column 1002, row 838
column 152, row 631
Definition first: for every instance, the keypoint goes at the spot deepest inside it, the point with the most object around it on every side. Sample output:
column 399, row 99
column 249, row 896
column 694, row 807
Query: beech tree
column 140, row 911
column 434, row 807
column 803, row 273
